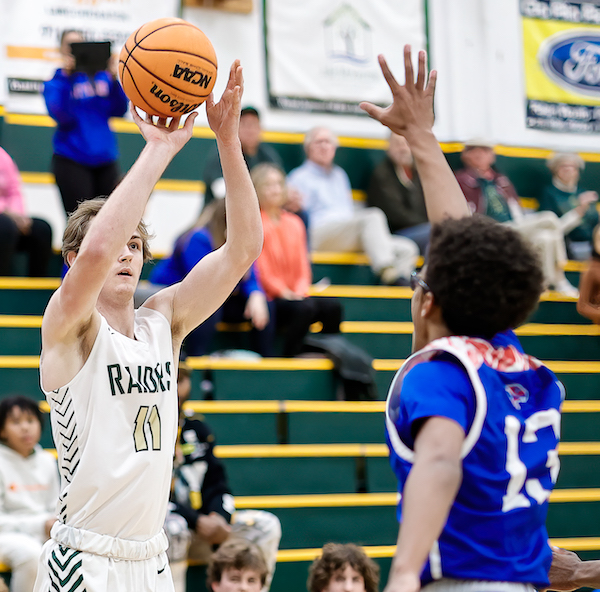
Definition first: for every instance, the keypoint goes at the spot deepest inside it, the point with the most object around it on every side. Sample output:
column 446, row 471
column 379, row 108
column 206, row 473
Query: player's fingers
column 240, row 77
column 372, row 110
column 189, row 122
column 135, row 114
column 162, row 122
column 387, row 74
column 422, row 71
column 408, row 68
column 174, row 124
column 432, row 83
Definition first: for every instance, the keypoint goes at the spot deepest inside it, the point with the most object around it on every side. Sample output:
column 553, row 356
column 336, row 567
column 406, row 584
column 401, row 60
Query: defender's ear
column 71, row 255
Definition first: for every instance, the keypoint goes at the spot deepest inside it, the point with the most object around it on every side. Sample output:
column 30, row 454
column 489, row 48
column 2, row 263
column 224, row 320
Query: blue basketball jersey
column 508, row 403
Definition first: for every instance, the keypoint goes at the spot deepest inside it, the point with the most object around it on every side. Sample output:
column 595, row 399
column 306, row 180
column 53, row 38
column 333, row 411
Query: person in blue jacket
column 84, row 161
column 248, row 300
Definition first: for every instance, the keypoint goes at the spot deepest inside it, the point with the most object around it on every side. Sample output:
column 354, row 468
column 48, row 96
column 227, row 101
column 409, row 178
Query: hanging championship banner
column 561, row 47
column 321, row 55
column 32, row 31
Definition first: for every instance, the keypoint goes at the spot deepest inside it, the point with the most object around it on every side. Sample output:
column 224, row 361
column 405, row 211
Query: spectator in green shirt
column 571, row 203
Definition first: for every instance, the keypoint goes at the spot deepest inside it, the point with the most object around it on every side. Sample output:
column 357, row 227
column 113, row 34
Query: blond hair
column 79, row 223
column 259, row 173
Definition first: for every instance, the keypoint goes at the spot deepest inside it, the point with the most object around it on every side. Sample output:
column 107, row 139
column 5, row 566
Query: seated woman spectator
column 333, row 222
column 19, row 232
column 588, row 304
column 343, row 568
column 491, row 193
column 284, row 267
column 247, row 302
column 573, row 205
column 28, row 490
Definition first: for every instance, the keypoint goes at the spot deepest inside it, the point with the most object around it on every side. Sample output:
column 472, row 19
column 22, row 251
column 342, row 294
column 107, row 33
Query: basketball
column 168, row 67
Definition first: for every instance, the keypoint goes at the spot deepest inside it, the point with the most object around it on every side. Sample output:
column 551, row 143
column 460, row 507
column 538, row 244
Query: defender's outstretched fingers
column 371, row 110
column 387, row 74
column 409, row 81
column 432, row 82
column 210, row 101
column 422, row 72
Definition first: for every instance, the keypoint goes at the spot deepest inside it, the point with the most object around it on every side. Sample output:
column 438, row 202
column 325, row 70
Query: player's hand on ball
column 224, row 116
column 171, row 134
column 412, row 105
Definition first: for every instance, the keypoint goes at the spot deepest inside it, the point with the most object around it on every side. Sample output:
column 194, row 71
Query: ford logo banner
column 573, row 61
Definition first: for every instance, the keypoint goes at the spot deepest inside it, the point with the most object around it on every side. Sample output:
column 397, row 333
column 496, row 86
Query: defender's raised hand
column 412, row 108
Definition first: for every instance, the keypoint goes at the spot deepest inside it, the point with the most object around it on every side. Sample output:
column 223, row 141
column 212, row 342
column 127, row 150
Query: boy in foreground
column 472, row 421
column 237, row 566
column 108, row 370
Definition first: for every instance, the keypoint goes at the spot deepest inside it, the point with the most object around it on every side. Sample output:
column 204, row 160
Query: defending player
column 472, row 422
column 108, row 370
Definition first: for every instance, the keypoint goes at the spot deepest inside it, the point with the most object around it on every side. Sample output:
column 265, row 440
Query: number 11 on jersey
column 149, row 417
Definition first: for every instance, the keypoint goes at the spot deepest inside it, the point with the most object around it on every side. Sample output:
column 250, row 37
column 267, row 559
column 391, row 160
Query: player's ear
column 428, row 305
column 71, row 257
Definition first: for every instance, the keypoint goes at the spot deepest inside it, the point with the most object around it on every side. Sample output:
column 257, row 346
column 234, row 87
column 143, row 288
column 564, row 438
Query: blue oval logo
column 573, row 61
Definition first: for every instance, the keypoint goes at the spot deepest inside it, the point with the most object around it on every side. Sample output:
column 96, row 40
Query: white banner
column 322, row 54
column 32, row 30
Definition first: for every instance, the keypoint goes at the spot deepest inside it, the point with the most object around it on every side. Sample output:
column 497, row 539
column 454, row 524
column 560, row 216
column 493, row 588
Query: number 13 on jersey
column 517, row 469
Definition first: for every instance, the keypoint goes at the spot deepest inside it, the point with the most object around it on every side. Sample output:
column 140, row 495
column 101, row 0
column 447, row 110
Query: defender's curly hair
column 484, row 276
column 335, row 557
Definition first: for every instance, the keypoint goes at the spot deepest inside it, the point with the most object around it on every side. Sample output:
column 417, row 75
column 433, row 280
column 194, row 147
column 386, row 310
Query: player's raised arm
column 411, row 115
column 216, row 275
column 73, row 305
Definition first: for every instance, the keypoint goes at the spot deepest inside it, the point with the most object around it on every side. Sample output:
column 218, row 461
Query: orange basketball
column 168, row 67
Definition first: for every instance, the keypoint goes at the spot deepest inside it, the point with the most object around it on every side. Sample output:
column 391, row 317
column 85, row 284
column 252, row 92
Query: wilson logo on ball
column 188, row 76
column 175, row 105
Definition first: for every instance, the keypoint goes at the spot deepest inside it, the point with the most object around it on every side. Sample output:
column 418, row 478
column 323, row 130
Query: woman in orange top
column 284, row 267
column 588, row 304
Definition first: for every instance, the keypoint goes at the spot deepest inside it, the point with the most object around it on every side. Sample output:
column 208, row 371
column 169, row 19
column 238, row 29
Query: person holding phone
column 84, row 160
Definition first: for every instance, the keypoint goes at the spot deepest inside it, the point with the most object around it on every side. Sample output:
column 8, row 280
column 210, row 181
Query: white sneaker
column 567, row 289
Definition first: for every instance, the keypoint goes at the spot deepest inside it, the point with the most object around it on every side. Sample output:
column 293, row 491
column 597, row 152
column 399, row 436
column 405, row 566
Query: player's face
column 322, row 148
column 419, row 338
column 127, row 269
column 21, row 431
column 346, row 579
column 238, row 580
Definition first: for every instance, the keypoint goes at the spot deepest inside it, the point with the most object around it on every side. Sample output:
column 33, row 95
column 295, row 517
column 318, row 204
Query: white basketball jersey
column 114, row 426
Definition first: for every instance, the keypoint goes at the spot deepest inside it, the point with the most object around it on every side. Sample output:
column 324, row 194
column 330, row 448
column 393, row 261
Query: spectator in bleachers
column 247, row 302
column 237, row 566
column 395, row 189
column 491, row 193
column 84, row 162
column 202, row 501
column 571, row 203
column 28, row 490
column 254, row 151
column 284, row 266
column 343, row 568
column 588, row 304
column 18, row 231
column 335, row 224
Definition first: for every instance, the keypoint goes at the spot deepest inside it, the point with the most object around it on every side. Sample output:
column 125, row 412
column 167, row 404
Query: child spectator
column 237, row 566
column 202, row 504
column 588, row 304
column 19, row 232
column 343, row 568
column 28, row 490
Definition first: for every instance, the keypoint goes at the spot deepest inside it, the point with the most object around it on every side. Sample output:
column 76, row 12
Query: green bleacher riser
column 281, row 384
